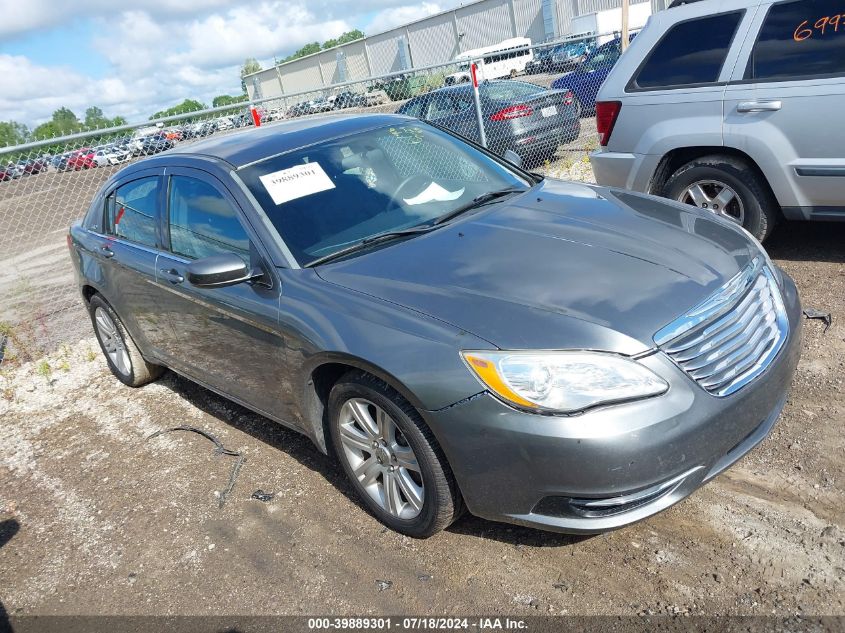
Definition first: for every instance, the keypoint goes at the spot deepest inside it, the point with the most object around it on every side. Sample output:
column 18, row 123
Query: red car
column 81, row 159
column 7, row 173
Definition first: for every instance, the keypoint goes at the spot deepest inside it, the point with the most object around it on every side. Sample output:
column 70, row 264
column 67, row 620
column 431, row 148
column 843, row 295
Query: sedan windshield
column 333, row 195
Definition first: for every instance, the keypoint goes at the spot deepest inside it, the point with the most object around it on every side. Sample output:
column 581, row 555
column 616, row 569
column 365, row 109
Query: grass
column 44, row 370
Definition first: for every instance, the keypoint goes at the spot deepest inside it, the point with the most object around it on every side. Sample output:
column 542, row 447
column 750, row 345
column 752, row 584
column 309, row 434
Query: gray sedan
column 457, row 332
column 526, row 119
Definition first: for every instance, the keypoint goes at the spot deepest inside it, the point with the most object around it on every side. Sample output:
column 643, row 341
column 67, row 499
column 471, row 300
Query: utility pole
column 626, row 5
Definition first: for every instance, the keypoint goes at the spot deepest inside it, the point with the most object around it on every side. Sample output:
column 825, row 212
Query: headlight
column 563, row 382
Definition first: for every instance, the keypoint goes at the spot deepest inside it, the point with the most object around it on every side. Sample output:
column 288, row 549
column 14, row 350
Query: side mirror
column 512, row 157
column 218, row 271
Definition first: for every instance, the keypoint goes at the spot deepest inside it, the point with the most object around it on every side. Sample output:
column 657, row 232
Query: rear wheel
column 728, row 187
column 122, row 355
column 391, row 457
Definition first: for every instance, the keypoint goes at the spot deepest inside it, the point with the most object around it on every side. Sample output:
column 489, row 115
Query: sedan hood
column 562, row 266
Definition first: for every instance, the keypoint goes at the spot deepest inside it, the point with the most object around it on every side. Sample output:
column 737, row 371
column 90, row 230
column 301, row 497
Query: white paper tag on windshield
column 296, row 182
column 434, row 193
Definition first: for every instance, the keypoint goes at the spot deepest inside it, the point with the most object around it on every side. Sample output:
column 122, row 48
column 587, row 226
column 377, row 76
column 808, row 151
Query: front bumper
column 614, row 465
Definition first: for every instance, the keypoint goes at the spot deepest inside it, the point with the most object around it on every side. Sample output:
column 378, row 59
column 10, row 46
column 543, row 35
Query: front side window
column 131, row 211
column 202, row 221
column 691, row 52
column 799, row 39
column 326, row 197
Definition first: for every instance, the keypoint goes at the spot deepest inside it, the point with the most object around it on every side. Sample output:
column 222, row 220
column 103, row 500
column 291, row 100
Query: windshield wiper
column 369, row 241
column 478, row 201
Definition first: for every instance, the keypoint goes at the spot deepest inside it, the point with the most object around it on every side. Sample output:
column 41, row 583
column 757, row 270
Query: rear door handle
column 759, row 106
column 106, row 251
column 171, row 275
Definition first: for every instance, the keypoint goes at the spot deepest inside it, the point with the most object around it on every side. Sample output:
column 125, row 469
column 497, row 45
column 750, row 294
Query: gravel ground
column 95, row 518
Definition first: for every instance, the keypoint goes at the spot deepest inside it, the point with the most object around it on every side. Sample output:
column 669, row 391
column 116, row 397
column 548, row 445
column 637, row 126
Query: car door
column 784, row 105
column 226, row 338
column 129, row 246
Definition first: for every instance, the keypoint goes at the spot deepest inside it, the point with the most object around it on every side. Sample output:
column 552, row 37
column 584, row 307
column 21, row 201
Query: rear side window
column 799, row 39
column 203, row 222
column 509, row 90
column 131, row 211
column 691, row 52
column 413, row 108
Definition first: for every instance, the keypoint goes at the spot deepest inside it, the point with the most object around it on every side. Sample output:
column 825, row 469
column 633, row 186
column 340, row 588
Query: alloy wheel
column 716, row 197
column 112, row 342
column 381, row 458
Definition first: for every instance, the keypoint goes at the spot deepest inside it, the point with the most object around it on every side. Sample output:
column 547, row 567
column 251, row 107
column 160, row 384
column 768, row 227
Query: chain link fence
column 535, row 101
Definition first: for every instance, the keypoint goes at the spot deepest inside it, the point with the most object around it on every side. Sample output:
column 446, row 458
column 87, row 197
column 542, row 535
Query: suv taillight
column 606, row 114
column 513, row 112
column 569, row 98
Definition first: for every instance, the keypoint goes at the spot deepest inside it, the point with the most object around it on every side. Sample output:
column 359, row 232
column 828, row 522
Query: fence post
column 481, row 134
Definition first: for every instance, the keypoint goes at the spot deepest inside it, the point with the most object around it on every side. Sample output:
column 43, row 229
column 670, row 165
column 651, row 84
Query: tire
column 440, row 499
column 131, row 369
column 759, row 209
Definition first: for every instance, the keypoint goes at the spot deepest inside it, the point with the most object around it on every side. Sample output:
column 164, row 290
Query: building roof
column 255, row 144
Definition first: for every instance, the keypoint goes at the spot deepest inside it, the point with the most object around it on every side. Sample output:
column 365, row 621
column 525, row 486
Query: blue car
column 590, row 74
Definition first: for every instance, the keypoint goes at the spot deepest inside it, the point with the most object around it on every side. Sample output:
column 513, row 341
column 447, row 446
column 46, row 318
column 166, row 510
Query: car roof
column 255, row 144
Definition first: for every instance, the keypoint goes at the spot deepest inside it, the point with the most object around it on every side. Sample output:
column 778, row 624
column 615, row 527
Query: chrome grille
column 730, row 338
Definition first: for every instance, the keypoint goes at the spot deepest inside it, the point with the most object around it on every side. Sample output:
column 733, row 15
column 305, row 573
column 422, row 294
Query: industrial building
column 436, row 39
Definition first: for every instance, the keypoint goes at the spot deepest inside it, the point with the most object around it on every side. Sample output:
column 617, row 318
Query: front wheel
column 391, row 457
column 728, row 187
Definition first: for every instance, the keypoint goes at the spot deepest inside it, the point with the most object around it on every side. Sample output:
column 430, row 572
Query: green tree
column 344, row 38
column 64, row 121
column 224, row 100
column 188, row 105
column 94, row 118
column 13, row 133
column 250, row 66
column 308, row 49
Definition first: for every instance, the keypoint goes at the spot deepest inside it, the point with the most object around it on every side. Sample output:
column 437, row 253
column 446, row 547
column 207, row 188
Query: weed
column 43, row 369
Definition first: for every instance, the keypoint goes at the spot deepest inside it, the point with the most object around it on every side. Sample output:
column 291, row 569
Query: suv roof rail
column 678, row 3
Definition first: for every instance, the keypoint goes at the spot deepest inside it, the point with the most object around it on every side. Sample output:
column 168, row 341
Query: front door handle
column 106, row 251
column 171, row 275
column 759, row 106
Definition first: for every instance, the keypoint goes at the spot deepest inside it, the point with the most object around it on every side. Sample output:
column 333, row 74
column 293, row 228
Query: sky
column 135, row 57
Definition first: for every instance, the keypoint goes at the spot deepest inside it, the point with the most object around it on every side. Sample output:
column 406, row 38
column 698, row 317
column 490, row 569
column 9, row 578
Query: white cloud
column 396, row 16
column 159, row 52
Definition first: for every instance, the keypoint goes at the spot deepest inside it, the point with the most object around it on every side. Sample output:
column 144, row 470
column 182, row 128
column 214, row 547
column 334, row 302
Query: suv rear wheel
column 728, row 187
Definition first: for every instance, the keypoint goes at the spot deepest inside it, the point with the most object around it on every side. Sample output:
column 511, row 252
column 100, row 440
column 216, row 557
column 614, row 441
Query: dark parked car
column 346, row 99
column 31, row 166
column 155, row 143
column 590, row 74
column 8, row 172
column 518, row 116
column 558, row 58
column 456, row 331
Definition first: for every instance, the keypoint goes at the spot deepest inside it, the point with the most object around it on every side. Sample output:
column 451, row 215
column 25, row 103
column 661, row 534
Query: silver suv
column 735, row 106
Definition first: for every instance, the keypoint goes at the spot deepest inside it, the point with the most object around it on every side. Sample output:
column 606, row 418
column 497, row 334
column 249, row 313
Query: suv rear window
column 691, row 52
column 800, row 39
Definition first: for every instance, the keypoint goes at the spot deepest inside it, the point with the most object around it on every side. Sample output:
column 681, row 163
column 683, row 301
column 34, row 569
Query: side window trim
column 741, row 27
column 108, row 226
